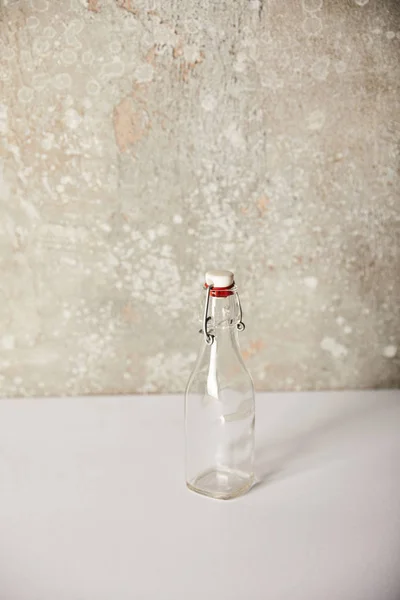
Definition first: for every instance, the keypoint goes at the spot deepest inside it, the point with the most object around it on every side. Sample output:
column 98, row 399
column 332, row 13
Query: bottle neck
column 224, row 314
column 221, row 348
column 224, row 351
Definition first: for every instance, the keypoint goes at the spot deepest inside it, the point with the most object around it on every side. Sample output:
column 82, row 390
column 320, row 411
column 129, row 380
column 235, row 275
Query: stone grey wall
column 143, row 141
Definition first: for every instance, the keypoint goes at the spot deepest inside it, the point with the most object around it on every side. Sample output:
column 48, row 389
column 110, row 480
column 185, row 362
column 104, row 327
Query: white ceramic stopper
column 219, row 278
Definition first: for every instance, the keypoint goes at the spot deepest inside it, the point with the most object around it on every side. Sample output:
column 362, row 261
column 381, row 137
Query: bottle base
column 221, row 483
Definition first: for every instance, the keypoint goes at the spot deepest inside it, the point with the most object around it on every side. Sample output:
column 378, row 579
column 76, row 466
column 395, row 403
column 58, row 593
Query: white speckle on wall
column 390, row 351
column 3, row 118
column 72, row 119
column 333, row 347
column 311, row 282
column 8, row 342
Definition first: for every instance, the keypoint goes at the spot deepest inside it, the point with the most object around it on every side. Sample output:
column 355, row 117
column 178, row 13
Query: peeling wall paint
column 142, row 142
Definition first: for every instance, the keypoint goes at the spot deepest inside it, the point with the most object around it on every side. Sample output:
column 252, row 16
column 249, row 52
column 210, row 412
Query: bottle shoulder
column 226, row 368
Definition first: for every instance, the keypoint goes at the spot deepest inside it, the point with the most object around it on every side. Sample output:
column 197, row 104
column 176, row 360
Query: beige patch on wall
column 131, row 122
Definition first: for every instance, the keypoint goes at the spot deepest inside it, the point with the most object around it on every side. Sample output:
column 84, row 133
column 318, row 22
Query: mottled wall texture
column 143, row 141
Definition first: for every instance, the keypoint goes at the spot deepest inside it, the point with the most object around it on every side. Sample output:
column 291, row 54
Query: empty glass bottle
column 219, row 399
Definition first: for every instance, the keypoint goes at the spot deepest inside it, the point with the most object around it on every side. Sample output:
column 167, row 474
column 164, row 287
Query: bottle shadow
column 289, row 456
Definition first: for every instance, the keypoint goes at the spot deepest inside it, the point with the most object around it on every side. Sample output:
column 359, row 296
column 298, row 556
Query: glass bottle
column 219, row 399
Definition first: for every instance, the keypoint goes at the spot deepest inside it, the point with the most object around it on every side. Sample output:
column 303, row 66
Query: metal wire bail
column 240, row 326
column 208, row 337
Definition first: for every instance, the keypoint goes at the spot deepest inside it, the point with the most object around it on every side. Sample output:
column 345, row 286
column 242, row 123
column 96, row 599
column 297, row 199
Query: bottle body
column 220, row 410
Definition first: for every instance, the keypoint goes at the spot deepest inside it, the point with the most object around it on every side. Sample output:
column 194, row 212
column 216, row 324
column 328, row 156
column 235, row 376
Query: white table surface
column 93, row 504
